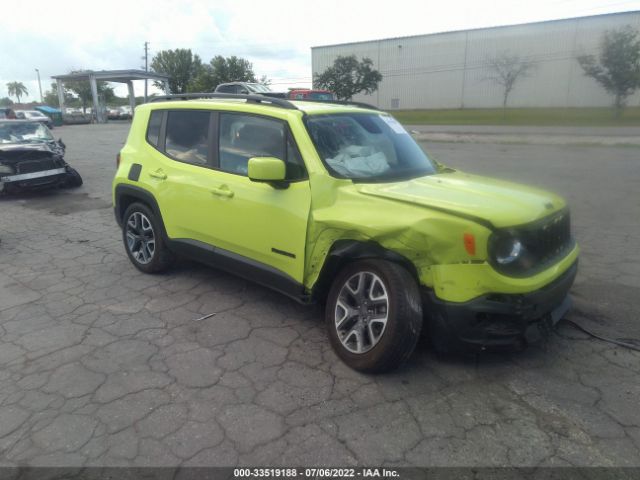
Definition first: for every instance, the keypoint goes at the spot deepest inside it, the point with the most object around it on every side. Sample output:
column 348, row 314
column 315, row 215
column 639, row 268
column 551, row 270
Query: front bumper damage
column 48, row 175
column 35, row 179
column 498, row 320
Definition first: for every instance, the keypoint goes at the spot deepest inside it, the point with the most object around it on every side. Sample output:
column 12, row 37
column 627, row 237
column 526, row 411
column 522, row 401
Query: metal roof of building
column 473, row 29
column 113, row 75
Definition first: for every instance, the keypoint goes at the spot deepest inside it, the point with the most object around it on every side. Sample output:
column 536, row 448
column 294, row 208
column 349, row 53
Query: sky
column 276, row 36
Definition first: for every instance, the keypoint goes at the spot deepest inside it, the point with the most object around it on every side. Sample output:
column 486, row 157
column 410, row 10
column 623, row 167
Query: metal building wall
column 449, row 70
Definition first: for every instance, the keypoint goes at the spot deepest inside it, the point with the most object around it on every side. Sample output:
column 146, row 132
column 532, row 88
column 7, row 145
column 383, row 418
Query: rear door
column 182, row 171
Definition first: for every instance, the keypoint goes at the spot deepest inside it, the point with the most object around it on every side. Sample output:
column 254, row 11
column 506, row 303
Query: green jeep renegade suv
column 337, row 203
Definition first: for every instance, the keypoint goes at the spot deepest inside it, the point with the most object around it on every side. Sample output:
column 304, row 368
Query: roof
column 113, row 75
column 240, row 83
column 47, row 109
column 474, row 29
column 313, row 108
column 253, row 103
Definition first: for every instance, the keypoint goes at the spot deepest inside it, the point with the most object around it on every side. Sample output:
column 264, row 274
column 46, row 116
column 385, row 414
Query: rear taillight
column 118, row 160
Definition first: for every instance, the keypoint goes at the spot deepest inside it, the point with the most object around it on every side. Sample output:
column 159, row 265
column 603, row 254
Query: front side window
column 187, row 136
column 227, row 89
column 367, row 147
column 246, row 136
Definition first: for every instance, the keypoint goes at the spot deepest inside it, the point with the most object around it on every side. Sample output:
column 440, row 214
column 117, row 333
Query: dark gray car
column 30, row 157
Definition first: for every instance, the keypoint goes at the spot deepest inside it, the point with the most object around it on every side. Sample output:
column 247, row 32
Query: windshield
column 321, row 96
column 258, row 87
column 367, row 147
column 18, row 132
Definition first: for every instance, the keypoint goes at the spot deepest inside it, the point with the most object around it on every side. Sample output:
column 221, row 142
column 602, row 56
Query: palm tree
column 17, row 89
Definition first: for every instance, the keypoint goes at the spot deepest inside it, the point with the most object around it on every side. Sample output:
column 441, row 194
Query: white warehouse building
column 451, row 69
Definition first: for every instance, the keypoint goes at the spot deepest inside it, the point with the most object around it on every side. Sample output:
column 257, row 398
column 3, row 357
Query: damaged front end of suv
column 31, row 158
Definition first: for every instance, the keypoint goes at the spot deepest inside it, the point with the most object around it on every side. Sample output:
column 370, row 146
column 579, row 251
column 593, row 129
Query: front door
column 254, row 219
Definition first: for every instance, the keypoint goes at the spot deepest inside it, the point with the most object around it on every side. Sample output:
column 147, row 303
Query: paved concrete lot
column 103, row 365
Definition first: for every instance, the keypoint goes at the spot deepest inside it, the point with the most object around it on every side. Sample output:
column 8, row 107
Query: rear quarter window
column 153, row 129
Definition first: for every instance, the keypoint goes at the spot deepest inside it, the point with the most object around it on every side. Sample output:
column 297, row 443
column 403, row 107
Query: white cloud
column 276, row 36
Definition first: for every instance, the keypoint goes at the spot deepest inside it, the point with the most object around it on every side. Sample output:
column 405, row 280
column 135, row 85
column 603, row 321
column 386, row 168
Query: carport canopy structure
column 118, row 76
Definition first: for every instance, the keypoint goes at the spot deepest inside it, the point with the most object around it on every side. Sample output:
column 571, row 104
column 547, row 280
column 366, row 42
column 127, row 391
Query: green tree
column 618, row 67
column 181, row 65
column 17, row 89
column 348, row 76
column 5, row 102
column 223, row 70
column 51, row 96
column 82, row 89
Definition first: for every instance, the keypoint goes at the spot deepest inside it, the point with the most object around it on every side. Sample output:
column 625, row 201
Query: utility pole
column 146, row 68
column 40, row 86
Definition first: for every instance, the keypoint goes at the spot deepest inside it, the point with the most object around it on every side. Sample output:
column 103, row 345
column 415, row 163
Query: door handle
column 159, row 174
column 222, row 192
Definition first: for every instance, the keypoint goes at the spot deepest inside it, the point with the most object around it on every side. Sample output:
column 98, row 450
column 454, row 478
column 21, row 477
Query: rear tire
column 374, row 315
column 143, row 240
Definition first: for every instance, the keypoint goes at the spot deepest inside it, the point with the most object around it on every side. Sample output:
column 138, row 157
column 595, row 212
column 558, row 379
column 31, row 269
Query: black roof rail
column 337, row 102
column 276, row 102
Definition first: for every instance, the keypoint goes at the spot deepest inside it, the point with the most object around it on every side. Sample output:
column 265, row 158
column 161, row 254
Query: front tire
column 143, row 240
column 374, row 315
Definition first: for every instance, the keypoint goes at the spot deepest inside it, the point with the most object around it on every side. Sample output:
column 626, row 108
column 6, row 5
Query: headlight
column 508, row 250
column 4, row 169
column 509, row 254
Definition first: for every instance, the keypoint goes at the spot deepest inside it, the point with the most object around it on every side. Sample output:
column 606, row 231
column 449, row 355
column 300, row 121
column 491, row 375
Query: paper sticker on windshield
column 394, row 124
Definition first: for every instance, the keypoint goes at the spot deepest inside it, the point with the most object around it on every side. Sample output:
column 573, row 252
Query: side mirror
column 267, row 169
column 61, row 143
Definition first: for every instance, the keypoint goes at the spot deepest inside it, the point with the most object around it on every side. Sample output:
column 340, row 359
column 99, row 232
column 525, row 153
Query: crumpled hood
column 501, row 203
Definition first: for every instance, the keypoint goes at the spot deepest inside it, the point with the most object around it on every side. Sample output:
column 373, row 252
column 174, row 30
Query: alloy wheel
column 361, row 312
column 141, row 240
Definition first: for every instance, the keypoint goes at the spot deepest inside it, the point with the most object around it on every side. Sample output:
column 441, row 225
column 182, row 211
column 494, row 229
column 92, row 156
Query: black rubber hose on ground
column 604, row 339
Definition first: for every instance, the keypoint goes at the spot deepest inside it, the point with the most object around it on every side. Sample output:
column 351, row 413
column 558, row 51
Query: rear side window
column 153, row 130
column 187, row 137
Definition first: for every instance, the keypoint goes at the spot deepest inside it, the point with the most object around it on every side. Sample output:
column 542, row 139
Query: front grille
column 30, row 166
column 548, row 239
column 545, row 242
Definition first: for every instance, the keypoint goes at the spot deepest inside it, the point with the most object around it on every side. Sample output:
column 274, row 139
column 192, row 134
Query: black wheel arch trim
column 142, row 195
column 345, row 251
